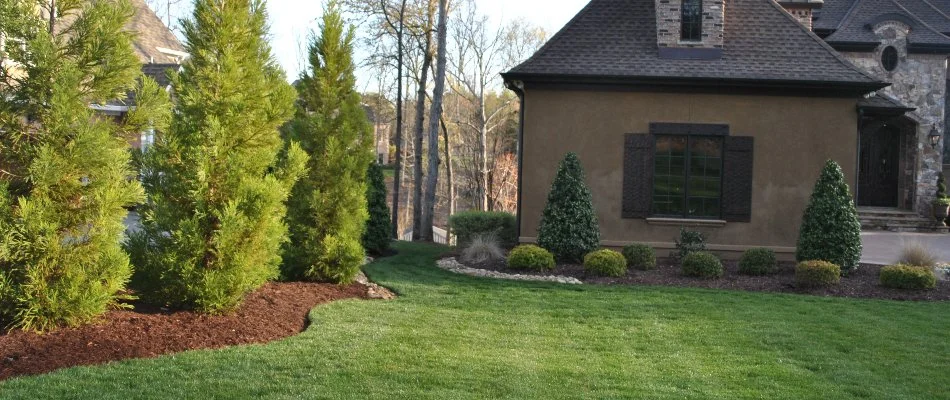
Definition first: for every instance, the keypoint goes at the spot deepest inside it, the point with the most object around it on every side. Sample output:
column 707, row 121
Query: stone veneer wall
column 668, row 24
column 918, row 81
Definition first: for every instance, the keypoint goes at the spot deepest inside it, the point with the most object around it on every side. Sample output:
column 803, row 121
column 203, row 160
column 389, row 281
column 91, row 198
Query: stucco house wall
column 794, row 136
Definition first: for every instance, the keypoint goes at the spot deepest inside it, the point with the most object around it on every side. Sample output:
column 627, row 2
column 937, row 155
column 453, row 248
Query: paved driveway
column 881, row 247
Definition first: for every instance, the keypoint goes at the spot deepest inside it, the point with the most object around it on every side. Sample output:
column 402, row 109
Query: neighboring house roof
column 847, row 24
column 763, row 45
column 154, row 43
column 159, row 72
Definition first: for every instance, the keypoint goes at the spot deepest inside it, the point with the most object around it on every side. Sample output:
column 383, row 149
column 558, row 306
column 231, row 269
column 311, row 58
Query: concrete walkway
column 882, row 247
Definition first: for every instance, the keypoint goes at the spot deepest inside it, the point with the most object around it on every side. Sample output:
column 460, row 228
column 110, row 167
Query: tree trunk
column 435, row 116
column 397, row 178
column 420, row 132
column 482, row 160
column 448, row 168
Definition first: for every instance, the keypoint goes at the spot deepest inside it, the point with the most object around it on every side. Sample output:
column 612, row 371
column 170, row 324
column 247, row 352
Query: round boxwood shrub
column 605, row 262
column 817, row 273
column 758, row 261
column 908, row 277
column 640, row 256
column 529, row 256
column 702, row 264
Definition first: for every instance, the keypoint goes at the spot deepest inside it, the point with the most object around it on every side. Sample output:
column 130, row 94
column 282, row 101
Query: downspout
column 518, row 88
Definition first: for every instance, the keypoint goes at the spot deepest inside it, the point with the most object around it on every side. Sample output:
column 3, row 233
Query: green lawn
column 452, row 336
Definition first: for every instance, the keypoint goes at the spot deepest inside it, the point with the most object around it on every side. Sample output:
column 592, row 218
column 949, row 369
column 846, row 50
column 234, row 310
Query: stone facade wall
column 918, row 81
column 668, row 16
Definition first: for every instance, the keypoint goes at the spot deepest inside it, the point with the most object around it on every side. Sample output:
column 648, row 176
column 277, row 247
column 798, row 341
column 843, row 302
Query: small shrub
column 529, row 256
column 640, row 256
column 569, row 227
column 702, row 264
column 483, row 248
column 908, row 277
column 817, row 274
column 918, row 255
column 467, row 225
column 758, row 261
column 605, row 262
column 830, row 228
column 688, row 242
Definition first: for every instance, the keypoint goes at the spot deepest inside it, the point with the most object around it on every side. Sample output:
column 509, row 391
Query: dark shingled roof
column 762, row 43
column 846, row 23
column 159, row 72
column 881, row 101
column 152, row 34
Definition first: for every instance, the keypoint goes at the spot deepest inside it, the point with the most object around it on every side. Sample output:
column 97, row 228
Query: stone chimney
column 802, row 9
column 690, row 29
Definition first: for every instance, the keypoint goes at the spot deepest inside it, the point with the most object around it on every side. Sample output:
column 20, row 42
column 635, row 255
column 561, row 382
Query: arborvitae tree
column 213, row 227
column 830, row 228
column 327, row 209
column 569, row 227
column 64, row 171
column 376, row 238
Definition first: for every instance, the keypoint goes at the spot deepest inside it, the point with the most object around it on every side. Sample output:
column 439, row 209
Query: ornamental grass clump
column 702, row 265
column 908, row 277
column 482, row 248
column 530, row 257
column 605, row 262
column 830, row 228
column 640, row 256
column 569, row 226
column 816, row 274
column 917, row 254
column 758, row 262
column 64, row 169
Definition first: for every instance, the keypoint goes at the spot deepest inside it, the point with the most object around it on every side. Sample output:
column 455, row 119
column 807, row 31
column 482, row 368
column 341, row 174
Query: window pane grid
column 691, row 23
column 687, row 176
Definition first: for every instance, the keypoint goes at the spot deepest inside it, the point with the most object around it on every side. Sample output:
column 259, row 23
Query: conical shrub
column 830, row 228
column 569, row 226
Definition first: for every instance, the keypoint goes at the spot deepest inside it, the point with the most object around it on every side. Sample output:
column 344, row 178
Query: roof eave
column 928, row 48
column 647, row 82
column 861, row 47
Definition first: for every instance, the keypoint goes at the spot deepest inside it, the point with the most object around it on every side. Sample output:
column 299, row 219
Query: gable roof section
column 763, row 46
column 152, row 35
column 847, row 24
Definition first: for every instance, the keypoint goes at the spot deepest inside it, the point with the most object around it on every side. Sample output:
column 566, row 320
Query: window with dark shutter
column 637, row 175
column 693, row 171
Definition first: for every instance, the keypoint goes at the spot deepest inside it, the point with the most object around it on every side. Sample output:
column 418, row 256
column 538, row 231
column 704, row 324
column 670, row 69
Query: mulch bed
column 276, row 311
column 863, row 283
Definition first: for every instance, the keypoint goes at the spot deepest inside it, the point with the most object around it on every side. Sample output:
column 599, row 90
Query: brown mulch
column 863, row 283
column 276, row 311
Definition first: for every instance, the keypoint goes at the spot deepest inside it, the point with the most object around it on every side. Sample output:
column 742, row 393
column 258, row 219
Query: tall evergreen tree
column 376, row 238
column 327, row 209
column 63, row 170
column 830, row 228
column 214, row 224
column 569, row 227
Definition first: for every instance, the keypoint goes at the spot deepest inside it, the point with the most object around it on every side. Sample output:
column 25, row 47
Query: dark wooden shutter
column 637, row 175
column 737, row 179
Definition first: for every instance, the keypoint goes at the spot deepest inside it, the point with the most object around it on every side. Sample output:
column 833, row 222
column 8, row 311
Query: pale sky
column 292, row 20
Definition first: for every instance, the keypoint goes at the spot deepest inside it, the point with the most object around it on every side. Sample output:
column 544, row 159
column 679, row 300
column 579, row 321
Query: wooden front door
column 879, row 166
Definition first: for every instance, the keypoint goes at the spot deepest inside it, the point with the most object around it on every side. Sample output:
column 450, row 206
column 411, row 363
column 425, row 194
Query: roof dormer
column 690, row 29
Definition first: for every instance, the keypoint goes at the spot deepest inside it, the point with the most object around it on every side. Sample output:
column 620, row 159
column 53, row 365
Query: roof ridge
column 558, row 35
column 847, row 15
column 834, row 53
column 919, row 20
column 937, row 9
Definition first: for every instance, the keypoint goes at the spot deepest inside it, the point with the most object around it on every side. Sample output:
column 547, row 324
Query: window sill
column 704, row 223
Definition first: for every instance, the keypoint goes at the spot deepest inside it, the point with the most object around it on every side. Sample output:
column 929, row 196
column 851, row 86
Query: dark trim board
column 694, row 85
column 674, row 128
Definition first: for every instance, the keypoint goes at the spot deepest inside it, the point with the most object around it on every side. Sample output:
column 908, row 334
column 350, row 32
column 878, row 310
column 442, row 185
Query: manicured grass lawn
column 452, row 336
